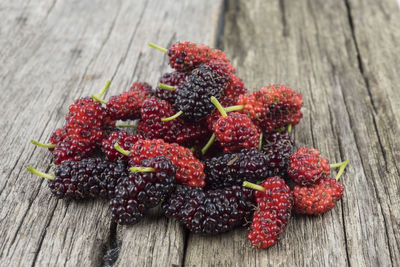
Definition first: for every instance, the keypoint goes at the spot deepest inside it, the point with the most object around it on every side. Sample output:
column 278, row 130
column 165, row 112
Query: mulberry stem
column 166, row 87
column 253, row 186
column 126, row 126
column 219, row 106
column 104, row 89
column 289, row 128
column 162, row 49
column 142, row 169
column 209, row 143
column 172, row 117
column 341, row 169
column 36, row 143
column 96, row 98
column 121, row 150
column 234, row 108
column 41, row 174
column 260, row 143
column 102, row 92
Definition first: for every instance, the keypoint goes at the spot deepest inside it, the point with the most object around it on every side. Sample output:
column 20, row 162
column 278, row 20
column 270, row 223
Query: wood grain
column 313, row 46
column 341, row 55
column 52, row 53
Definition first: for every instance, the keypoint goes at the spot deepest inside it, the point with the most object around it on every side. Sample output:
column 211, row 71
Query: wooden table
column 343, row 56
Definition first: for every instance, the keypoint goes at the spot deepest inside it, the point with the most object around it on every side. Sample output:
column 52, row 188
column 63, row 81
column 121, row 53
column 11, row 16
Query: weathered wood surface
column 341, row 55
column 53, row 52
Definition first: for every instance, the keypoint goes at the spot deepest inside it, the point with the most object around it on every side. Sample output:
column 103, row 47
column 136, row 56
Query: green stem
column 36, row 143
column 102, row 92
column 142, row 169
column 341, row 170
column 172, row 117
column 219, row 106
column 126, row 126
column 166, row 87
column 234, row 108
column 279, row 129
column 209, row 143
column 121, row 150
column 162, row 49
column 96, row 98
column 260, row 143
column 253, row 186
column 41, row 174
column 192, row 149
column 289, row 128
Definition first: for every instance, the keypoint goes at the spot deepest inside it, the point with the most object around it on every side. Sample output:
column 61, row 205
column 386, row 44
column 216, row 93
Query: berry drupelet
column 86, row 113
column 318, row 198
column 88, row 178
column 306, row 166
column 235, row 131
column 264, row 231
column 277, row 147
column 151, row 126
column 189, row 170
column 126, row 106
column 273, row 107
column 233, row 169
column 124, row 139
column 212, row 211
column 274, row 204
column 193, row 95
column 142, row 87
column 145, row 188
column 173, row 79
column 185, row 56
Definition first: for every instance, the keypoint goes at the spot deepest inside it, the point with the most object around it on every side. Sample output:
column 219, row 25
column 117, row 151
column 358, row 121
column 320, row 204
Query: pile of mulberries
column 211, row 154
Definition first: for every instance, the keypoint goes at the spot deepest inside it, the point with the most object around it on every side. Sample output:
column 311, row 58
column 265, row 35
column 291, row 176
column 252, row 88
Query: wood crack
column 359, row 61
column 367, row 85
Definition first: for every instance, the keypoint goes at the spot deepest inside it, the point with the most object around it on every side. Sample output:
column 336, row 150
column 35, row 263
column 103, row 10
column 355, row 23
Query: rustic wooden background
column 343, row 56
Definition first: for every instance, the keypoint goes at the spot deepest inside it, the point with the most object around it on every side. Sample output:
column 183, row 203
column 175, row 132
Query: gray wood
column 350, row 112
column 341, row 55
column 52, row 53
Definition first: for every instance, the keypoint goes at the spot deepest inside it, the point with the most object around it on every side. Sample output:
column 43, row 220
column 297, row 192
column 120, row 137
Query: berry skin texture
column 126, row 106
column 85, row 113
column 177, row 130
column 273, row 107
column 193, row 95
column 273, row 212
column 306, row 166
column 175, row 78
column 142, row 87
column 57, row 136
column 235, row 168
column 264, row 231
column 212, row 211
column 88, row 178
column 234, row 89
column 236, row 131
column 125, row 140
column 151, row 126
column 278, row 147
column 142, row 190
column 189, row 170
column 185, row 56
column 318, row 198
column 72, row 149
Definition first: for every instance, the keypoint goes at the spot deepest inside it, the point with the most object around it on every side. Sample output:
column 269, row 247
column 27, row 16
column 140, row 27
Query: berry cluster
column 212, row 155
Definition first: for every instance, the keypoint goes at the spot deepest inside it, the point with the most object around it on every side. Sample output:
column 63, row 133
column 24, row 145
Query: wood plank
column 52, row 53
column 309, row 45
column 375, row 28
